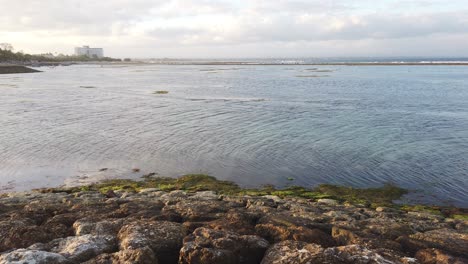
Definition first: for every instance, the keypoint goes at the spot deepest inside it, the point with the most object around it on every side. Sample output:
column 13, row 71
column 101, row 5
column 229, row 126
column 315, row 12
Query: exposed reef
column 198, row 219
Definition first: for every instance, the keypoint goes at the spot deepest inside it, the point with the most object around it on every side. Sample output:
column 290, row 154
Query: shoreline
column 307, row 64
column 228, row 63
column 13, row 69
column 199, row 219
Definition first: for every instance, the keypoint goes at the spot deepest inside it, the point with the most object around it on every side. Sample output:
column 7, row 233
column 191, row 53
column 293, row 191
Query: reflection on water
column 359, row 126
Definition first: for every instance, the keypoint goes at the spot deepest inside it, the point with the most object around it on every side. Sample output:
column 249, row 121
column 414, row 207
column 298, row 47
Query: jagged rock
column 23, row 256
column 292, row 252
column 386, row 210
column 174, row 196
column 191, row 226
column 328, row 201
column 205, row 195
column 206, row 246
column 386, row 229
column 142, row 255
column 22, row 233
column 164, row 238
column 344, row 237
column 436, row 256
column 149, row 190
column 33, row 220
column 355, row 254
column 277, row 228
column 141, row 208
column 92, row 226
column 425, row 216
column 191, row 210
column 296, row 252
column 274, row 198
column 262, row 202
column 239, row 221
column 445, row 239
column 462, row 226
column 83, row 248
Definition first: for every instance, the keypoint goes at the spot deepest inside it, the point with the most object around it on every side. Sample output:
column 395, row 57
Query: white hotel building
column 89, row 52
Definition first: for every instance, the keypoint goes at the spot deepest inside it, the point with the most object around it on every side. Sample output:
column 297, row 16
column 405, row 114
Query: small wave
column 8, row 86
column 312, row 76
column 228, row 99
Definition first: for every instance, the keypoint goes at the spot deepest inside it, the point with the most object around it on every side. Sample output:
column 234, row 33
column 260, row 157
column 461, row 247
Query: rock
column 277, row 228
column 22, row 233
column 328, row 201
column 462, row 226
column 92, row 226
column 191, row 226
column 274, row 198
column 176, row 195
column 387, row 229
column 142, row 255
column 292, row 252
column 163, row 238
column 22, row 256
column 111, row 194
column 436, row 256
column 204, row 210
column 261, row 202
column 344, row 237
column 445, row 239
column 355, row 254
column 386, row 209
column 425, row 216
column 205, row 195
column 239, row 221
column 83, row 248
column 296, row 252
column 206, row 246
column 149, row 190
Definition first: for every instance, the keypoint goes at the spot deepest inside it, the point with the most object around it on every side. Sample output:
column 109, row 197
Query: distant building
column 89, row 52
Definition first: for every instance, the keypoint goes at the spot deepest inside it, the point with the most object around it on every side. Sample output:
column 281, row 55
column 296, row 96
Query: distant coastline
column 317, row 64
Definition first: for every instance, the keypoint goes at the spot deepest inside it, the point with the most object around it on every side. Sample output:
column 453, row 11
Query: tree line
column 7, row 54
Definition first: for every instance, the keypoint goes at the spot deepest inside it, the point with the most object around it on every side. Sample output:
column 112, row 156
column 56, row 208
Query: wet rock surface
column 154, row 226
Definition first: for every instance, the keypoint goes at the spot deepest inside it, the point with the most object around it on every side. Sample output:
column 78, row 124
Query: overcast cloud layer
column 250, row 28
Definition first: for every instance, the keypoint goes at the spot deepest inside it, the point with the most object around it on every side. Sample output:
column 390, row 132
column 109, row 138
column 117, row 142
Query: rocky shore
column 8, row 69
column 197, row 219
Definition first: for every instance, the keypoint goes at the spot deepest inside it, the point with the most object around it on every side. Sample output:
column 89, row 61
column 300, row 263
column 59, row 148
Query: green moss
column 114, row 185
column 293, row 191
column 201, row 182
column 384, row 195
column 460, row 217
column 161, row 92
column 422, row 208
column 374, row 197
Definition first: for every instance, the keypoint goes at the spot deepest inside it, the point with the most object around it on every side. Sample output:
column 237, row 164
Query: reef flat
column 199, row 219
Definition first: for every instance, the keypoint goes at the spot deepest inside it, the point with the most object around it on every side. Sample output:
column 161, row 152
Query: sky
column 239, row 28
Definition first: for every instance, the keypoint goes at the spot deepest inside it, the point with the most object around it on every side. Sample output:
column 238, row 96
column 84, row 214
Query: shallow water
column 359, row 126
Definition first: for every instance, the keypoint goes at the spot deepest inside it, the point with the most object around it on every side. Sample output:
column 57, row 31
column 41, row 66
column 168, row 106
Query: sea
column 274, row 121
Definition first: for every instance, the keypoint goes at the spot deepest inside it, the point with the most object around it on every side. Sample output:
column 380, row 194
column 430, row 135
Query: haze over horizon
column 239, row 29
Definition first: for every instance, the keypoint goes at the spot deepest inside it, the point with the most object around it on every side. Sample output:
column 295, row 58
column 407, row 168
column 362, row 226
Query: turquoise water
column 360, row 126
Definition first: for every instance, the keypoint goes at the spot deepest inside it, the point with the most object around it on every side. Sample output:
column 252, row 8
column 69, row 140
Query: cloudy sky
column 239, row 28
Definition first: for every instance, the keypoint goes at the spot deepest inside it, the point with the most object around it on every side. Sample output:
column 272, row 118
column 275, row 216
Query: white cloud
column 234, row 28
